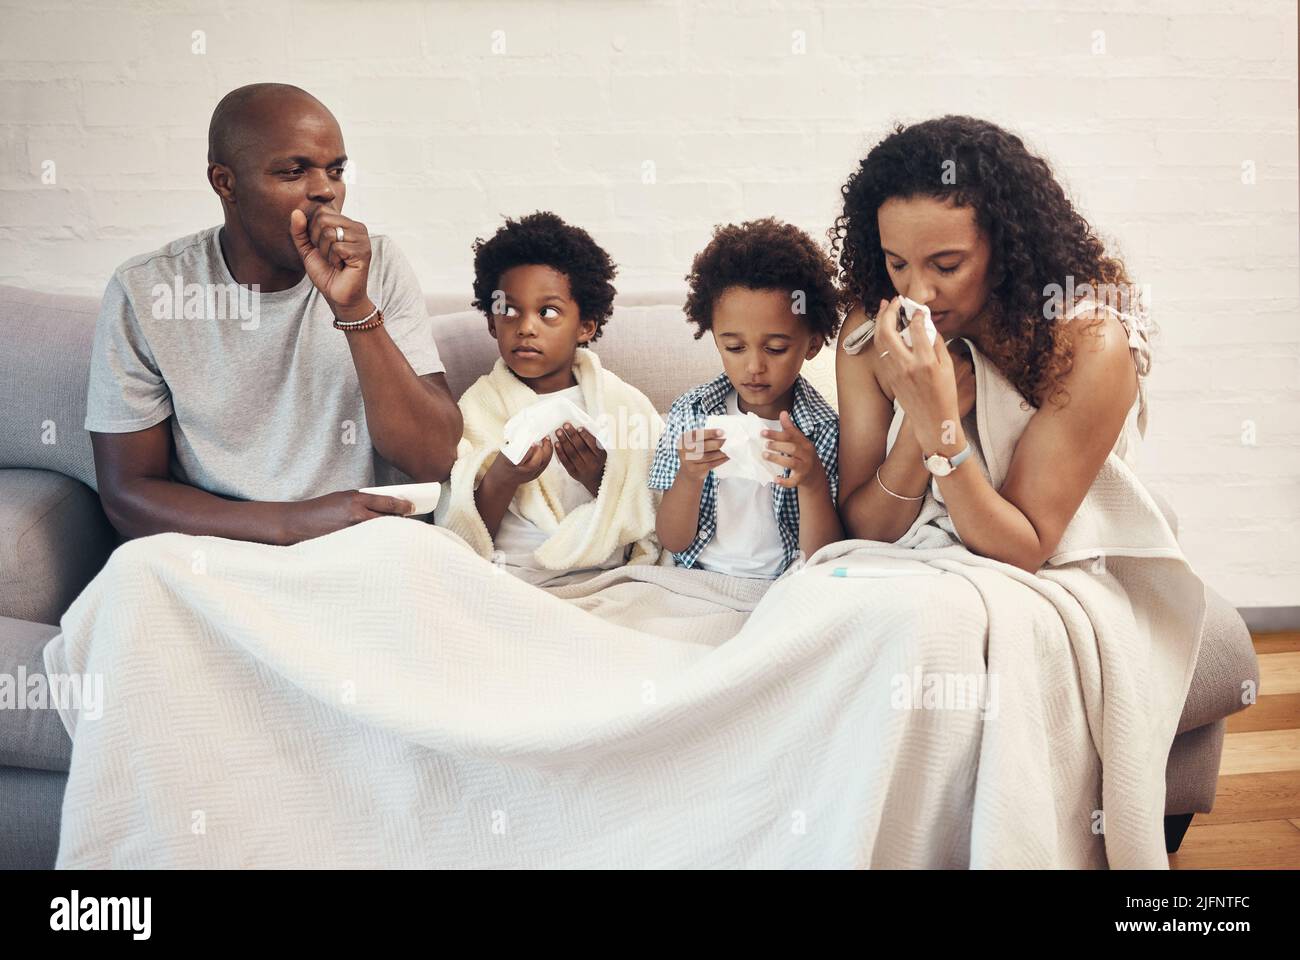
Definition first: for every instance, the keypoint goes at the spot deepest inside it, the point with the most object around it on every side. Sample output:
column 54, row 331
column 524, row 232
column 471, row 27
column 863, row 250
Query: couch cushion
column 29, row 738
column 31, row 807
column 54, row 537
column 43, row 374
column 1226, row 659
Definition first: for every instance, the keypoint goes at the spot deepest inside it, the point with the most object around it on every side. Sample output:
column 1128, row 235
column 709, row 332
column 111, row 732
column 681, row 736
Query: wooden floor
column 1256, row 818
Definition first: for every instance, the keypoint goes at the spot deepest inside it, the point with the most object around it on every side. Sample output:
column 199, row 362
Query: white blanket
column 385, row 697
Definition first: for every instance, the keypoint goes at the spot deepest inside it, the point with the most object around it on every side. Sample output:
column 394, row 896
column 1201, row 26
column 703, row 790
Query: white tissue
column 911, row 307
column 744, row 444
column 423, row 497
column 542, row 419
column 855, row 341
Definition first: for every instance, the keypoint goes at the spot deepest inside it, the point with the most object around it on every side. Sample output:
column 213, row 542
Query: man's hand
column 334, row 511
column 338, row 268
column 788, row 447
column 581, row 455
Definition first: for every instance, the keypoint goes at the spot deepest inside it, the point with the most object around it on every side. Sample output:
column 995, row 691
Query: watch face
column 939, row 466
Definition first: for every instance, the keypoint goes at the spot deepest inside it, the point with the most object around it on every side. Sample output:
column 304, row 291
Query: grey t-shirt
column 262, row 392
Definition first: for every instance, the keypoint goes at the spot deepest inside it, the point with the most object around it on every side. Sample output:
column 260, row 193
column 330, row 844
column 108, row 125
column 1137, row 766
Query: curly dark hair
column 763, row 255
column 542, row 238
column 1036, row 238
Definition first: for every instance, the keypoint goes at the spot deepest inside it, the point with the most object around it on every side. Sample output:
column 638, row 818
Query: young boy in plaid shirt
column 765, row 291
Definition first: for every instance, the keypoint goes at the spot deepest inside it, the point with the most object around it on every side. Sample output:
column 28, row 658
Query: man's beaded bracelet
column 375, row 319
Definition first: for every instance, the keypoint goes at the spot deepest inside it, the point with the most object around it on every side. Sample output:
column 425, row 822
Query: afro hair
column 763, row 255
column 544, row 239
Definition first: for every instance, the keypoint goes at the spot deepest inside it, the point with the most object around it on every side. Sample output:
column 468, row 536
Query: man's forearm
column 148, row 505
column 411, row 425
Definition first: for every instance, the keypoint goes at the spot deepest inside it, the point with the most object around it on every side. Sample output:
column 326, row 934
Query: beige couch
column 54, row 537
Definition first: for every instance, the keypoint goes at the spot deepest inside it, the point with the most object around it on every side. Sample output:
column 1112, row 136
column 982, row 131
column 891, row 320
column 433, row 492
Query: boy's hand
column 699, row 451
column 581, row 455
column 529, row 468
column 788, row 447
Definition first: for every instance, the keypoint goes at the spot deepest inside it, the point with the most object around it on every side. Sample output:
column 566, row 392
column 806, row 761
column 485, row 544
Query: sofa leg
column 1176, row 825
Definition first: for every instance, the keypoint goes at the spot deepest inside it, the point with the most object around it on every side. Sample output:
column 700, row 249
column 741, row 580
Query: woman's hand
column 581, row 455
column 788, row 447
column 923, row 380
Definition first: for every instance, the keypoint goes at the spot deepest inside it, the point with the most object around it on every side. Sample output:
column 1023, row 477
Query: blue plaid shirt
column 816, row 420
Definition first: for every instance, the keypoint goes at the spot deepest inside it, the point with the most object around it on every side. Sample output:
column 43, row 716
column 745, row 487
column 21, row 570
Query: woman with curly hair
column 956, row 214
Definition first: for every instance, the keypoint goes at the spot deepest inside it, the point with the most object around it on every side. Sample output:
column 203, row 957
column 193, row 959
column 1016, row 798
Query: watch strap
column 953, row 462
column 960, row 458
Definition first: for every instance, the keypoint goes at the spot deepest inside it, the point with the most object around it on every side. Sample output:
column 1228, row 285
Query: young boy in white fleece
column 766, row 292
column 569, row 505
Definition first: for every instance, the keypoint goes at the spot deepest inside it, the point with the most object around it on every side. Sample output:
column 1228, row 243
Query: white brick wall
column 1149, row 135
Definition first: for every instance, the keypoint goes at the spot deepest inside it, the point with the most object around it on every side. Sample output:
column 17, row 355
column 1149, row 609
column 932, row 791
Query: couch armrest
column 1226, row 659
column 1225, row 662
column 54, row 538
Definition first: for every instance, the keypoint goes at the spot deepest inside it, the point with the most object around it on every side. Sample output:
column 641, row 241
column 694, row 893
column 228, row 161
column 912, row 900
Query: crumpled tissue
column 541, row 419
column 743, row 442
column 854, row 343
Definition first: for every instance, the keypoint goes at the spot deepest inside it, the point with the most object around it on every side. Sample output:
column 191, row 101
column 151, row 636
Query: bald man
column 246, row 380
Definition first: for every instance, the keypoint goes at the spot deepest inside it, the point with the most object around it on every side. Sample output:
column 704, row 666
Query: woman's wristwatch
column 942, row 466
